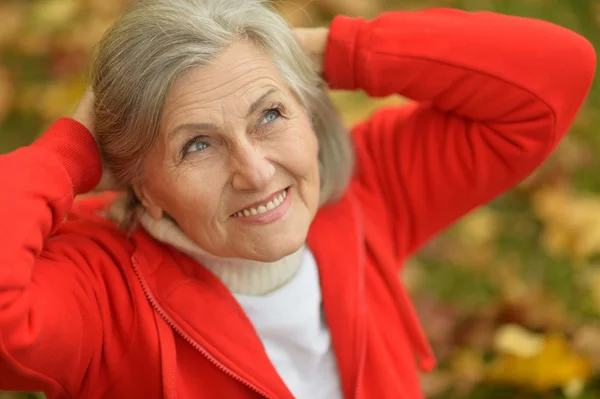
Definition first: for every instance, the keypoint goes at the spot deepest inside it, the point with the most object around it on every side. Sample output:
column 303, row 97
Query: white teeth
column 274, row 203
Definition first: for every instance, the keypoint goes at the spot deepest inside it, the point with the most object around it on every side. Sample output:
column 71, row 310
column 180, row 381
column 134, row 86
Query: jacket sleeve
column 49, row 316
column 492, row 97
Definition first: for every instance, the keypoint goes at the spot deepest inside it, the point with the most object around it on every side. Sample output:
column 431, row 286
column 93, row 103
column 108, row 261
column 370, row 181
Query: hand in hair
column 314, row 42
column 84, row 114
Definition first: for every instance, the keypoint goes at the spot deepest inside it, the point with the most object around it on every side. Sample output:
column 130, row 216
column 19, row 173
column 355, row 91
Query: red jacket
column 87, row 311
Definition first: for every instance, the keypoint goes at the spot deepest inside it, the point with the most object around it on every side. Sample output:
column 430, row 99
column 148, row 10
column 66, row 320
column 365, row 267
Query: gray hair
column 155, row 41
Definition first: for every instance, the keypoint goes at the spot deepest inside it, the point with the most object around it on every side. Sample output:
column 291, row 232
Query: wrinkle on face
column 199, row 190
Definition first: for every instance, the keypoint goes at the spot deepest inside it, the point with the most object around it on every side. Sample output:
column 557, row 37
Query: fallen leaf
column 555, row 365
column 479, row 228
column 515, row 340
column 574, row 388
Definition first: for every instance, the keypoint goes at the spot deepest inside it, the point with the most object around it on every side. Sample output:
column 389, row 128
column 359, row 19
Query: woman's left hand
column 314, row 42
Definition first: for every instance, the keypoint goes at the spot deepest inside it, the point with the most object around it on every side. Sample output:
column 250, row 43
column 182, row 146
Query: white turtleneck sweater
column 283, row 302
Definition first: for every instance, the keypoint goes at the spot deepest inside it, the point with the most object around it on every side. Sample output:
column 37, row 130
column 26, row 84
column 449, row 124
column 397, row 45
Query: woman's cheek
column 193, row 182
column 296, row 142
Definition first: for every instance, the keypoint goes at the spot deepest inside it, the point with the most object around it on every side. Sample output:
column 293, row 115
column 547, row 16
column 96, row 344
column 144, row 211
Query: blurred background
column 509, row 297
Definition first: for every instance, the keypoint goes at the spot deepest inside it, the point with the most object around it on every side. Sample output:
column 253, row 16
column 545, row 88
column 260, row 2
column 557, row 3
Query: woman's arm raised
column 494, row 94
column 50, row 326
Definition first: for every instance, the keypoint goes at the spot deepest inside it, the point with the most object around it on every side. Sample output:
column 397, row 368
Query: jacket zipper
column 189, row 339
column 361, row 302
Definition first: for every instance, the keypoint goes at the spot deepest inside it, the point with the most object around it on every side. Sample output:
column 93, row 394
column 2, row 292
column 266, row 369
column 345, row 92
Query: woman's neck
column 241, row 276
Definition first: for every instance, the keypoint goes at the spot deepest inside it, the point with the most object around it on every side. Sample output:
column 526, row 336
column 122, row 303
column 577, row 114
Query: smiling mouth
column 274, row 202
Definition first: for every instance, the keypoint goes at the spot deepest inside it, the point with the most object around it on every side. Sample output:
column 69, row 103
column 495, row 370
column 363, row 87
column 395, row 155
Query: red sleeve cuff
column 340, row 54
column 75, row 147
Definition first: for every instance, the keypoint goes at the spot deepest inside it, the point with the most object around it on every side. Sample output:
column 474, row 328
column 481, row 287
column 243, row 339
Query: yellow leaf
column 571, row 223
column 515, row 340
column 556, row 365
column 479, row 228
column 550, row 202
column 574, row 388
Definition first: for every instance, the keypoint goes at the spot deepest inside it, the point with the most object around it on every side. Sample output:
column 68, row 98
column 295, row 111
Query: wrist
column 72, row 143
column 314, row 43
column 319, row 45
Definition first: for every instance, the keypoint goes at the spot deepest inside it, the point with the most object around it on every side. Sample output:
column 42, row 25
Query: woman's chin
column 275, row 251
column 277, row 242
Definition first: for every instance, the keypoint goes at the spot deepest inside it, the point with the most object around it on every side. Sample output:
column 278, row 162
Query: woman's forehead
column 236, row 74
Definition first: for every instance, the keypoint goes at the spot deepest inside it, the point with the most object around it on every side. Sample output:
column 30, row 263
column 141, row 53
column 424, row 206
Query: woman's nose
column 251, row 170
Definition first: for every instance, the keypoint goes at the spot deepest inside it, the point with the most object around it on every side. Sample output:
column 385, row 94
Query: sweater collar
column 240, row 276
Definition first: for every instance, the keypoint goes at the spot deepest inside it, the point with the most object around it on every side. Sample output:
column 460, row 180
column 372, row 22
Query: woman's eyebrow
column 193, row 126
column 212, row 127
column 259, row 101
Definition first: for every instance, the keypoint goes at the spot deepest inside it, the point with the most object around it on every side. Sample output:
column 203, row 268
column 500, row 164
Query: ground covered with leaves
column 509, row 297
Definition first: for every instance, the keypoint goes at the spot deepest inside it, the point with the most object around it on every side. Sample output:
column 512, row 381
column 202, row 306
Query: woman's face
column 236, row 163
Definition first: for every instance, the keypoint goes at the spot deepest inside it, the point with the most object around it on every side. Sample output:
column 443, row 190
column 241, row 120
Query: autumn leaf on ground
column 571, row 222
column 537, row 362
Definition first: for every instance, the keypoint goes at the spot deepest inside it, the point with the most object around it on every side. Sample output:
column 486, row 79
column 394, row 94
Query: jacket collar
column 204, row 309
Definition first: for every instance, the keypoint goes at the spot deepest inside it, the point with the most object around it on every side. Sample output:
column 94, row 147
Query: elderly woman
column 254, row 246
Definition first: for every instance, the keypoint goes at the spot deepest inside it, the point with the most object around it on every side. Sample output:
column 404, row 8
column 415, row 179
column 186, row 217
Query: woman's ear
column 153, row 209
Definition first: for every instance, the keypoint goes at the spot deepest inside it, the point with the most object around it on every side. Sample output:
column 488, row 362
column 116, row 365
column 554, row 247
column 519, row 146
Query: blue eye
column 271, row 115
column 195, row 146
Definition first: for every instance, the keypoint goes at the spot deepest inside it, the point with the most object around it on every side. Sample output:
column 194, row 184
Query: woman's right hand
column 84, row 114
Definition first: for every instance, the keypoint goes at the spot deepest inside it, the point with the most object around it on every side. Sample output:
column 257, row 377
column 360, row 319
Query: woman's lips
column 267, row 211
